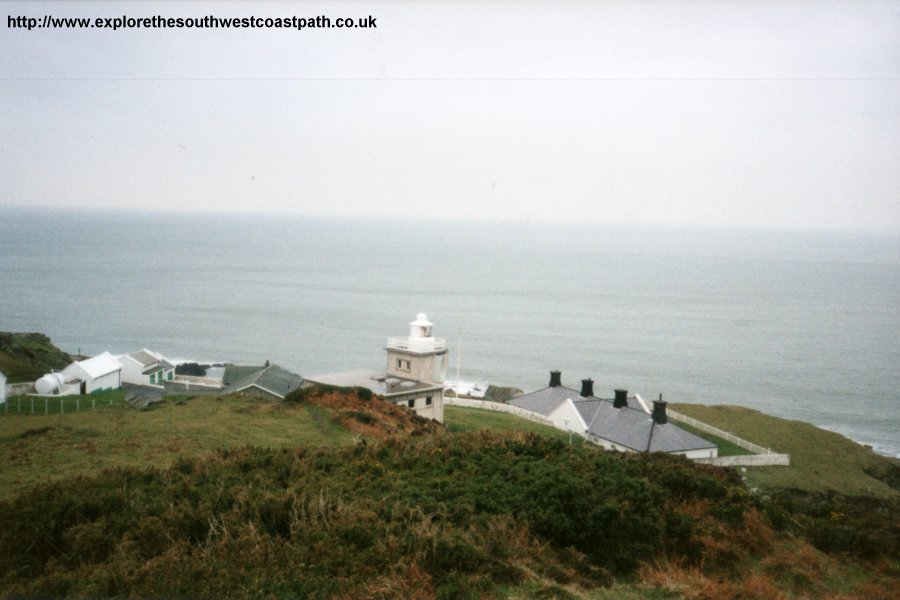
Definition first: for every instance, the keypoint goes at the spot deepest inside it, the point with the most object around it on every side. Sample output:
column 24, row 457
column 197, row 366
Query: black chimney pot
column 621, row 399
column 587, row 387
column 555, row 379
column 659, row 411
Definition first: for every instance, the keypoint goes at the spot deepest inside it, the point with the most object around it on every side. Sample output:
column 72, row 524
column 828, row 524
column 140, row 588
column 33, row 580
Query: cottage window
column 427, row 400
column 411, row 403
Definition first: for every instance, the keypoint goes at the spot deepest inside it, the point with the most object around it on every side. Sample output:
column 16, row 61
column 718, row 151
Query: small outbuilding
column 97, row 374
column 270, row 381
column 146, row 367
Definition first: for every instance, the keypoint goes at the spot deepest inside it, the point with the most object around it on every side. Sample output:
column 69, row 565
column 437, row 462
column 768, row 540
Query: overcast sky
column 782, row 114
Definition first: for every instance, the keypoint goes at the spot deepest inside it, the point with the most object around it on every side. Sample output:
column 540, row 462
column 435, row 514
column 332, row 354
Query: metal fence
column 57, row 405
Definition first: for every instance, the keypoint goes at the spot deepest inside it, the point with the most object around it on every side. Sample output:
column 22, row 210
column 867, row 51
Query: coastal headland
column 331, row 493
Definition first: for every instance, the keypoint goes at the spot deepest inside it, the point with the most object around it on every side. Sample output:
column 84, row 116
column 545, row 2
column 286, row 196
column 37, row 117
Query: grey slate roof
column 272, row 379
column 144, row 358
column 150, row 362
column 546, row 400
column 627, row 426
column 376, row 381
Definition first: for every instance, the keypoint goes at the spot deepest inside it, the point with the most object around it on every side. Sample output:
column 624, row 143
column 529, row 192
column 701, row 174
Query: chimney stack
column 659, row 411
column 587, row 387
column 555, row 379
column 621, row 399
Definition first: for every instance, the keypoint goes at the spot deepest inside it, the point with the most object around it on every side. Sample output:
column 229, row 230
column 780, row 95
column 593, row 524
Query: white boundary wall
column 718, row 433
column 499, row 407
column 748, row 460
column 761, row 457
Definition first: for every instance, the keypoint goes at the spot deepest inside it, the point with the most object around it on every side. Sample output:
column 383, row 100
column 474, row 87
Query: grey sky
column 782, row 114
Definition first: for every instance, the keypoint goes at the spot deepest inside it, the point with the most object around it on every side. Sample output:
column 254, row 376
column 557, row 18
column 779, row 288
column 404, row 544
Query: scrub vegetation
column 313, row 498
column 27, row 356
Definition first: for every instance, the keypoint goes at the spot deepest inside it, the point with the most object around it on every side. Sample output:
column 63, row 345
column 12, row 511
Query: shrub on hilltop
column 27, row 356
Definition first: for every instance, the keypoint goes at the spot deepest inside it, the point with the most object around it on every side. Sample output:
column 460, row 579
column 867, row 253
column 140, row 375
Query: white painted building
column 2, row 388
column 97, row 374
column 616, row 423
column 416, row 368
column 146, row 367
column 422, row 359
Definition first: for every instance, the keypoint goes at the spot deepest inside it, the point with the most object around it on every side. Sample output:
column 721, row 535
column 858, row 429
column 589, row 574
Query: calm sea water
column 799, row 325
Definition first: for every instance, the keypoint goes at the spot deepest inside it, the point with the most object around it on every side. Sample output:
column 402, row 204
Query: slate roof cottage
column 620, row 423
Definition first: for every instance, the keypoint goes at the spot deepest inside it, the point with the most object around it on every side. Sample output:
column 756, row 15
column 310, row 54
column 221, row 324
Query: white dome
column 421, row 321
column 50, row 383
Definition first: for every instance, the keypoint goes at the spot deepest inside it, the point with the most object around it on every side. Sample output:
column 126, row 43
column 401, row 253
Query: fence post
column 77, row 403
column 93, row 403
column 46, row 406
column 32, row 406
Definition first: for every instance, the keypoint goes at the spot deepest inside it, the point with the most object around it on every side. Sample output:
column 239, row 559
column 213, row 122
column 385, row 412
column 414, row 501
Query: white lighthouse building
column 416, row 368
column 419, row 356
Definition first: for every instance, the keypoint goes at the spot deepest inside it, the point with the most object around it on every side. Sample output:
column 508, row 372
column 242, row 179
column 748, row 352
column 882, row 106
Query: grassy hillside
column 333, row 494
column 27, row 356
column 40, row 448
column 420, row 516
column 821, row 461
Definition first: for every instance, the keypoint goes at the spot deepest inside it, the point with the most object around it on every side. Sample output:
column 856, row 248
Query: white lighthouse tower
column 419, row 356
column 416, row 368
column 422, row 358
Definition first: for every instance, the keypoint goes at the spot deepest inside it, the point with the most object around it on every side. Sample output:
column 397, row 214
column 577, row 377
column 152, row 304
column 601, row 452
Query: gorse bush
column 321, row 389
column 440, row 515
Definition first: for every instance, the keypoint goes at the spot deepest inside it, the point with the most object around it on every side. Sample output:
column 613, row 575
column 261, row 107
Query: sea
column 799, row 324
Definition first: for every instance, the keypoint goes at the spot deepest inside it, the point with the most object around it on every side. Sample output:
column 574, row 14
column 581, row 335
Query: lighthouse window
column 403, row 364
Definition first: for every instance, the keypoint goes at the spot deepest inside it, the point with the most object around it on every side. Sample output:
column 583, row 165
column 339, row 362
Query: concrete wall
column 193, row 380
column 434, row 412
column 697, row 455
column 756, row 449
column 19, row 389
column 748, row 460
column 498, row 407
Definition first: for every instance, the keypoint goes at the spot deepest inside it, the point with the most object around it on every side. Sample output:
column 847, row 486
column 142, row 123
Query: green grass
column 50, row 447
column 46, row 447
column 726, row 448
column 56, row 405
column 461, row 420
column 821, row 461
column 27, row 356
